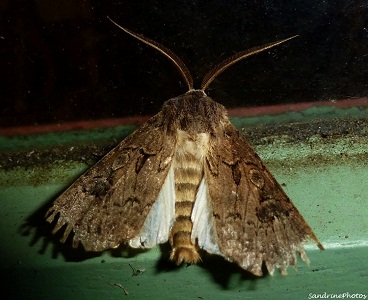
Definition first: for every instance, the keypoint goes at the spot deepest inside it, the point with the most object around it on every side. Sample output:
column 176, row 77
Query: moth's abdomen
column 188, row 173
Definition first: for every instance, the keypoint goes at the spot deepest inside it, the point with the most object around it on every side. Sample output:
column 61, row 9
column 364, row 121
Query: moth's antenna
column 165, row 51
column 218, row 69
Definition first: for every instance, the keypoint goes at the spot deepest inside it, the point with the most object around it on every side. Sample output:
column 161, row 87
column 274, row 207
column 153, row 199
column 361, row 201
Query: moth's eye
column 256, row 178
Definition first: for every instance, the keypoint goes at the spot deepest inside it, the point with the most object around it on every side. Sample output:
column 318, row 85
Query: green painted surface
column 326, row 179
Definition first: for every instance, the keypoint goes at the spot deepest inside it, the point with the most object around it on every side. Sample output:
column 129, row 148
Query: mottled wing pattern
column 110, row 202
column 254, row 219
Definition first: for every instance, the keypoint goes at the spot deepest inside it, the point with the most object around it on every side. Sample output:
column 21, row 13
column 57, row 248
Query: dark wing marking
column 109, row 203
column 255, row 220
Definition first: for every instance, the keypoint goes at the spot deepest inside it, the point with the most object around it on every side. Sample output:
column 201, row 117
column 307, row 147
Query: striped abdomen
column 188, row 173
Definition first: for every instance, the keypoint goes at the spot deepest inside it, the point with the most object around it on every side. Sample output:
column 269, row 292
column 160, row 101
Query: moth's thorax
column 190, row 151
column 191, row 145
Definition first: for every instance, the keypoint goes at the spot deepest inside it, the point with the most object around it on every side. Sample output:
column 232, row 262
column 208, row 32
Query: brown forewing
column 109, row 203
column 255, row 220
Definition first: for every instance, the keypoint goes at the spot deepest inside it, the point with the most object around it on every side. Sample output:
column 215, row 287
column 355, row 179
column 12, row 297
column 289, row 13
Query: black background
column 64, row 60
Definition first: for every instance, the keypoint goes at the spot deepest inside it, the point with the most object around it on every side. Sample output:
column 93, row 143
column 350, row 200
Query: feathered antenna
column 165, row 51
column 215, row 71
column 218, row 69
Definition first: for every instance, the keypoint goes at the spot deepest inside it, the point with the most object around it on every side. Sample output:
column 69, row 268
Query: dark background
column 64, row 60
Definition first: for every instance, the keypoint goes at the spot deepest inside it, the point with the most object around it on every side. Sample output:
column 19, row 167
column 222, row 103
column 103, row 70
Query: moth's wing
column 254, row 219
column 203, row 230
column 156, row 227
column 109, row 204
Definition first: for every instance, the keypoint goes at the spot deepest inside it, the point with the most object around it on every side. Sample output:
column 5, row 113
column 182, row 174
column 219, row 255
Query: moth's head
column 193, row 111
column 214, row 72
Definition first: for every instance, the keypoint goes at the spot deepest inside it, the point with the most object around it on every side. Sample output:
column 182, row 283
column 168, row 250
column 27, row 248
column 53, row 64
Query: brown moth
column 189, row 177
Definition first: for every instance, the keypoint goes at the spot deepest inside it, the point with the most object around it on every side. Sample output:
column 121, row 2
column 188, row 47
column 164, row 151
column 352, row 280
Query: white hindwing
column 156, row 227
column 204, row 230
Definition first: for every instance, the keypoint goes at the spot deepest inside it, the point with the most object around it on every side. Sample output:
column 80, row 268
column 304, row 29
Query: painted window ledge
column 319, row 153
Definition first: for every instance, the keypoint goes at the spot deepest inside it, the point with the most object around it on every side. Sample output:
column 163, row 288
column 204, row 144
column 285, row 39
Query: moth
column 189, row 177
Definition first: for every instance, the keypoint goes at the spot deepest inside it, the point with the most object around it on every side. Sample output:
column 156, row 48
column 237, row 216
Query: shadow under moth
column 189, row 177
